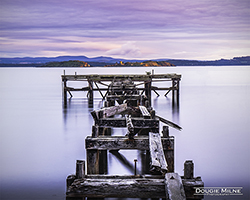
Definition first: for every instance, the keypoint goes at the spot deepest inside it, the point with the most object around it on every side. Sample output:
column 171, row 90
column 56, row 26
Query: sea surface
column 40, row 139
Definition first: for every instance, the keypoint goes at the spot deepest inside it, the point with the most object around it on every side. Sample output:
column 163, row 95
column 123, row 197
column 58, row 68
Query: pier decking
column 143, row 83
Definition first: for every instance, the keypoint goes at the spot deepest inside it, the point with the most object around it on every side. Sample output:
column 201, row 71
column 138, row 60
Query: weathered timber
column 188, row 169
column 174, row 187
column 122, row 142
column 118, row 186
column 165, row 131
column 130, row 127
column 147, row 87
column 122, row 85
column 93, row 161
column 133, row 77
column 80, row 169
column 144, row 112
column 169, row 123
column 121, row 123
column 109, row 111
column 169, row 186
column 158, row 161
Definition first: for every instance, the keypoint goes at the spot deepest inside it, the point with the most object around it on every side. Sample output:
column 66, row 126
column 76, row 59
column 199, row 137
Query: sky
column 132, row 29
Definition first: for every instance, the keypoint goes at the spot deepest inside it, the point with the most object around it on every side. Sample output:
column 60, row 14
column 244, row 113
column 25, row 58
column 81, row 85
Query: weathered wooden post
column 97, row 160
column 70, row 180
column 80, row 169
column 165, row 131
column 173, row 92
column 147, row 85
column 65, row 90
column 169, row 152
column 178, row 92
column 188, row 169
column 90, row 94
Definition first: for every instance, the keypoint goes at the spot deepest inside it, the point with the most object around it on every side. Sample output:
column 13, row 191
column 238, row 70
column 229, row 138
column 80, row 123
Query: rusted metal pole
column 135, row 160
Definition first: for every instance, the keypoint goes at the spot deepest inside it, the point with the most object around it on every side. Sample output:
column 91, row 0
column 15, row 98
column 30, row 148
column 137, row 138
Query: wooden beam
column 146, row 186
column 158, row 161
column 109, row 111
column 133, row 77
column 121, row 123
column 118, row 186
column 122, row 142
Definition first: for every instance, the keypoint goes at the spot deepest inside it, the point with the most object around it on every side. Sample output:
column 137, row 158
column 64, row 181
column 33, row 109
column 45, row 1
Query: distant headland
column 140, row 64
column 83, row 61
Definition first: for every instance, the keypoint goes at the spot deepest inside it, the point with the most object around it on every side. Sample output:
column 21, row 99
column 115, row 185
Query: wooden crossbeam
column 133, row 77
column 118, row 186
column 121, row 123
column 122, row 142
column 146, row 186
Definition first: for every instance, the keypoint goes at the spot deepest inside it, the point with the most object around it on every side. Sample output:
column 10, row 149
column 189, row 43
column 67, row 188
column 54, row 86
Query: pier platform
column 143, row 84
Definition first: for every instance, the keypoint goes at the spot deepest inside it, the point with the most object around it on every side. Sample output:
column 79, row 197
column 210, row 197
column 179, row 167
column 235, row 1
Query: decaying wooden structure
column 126, row 107
column 114, row 87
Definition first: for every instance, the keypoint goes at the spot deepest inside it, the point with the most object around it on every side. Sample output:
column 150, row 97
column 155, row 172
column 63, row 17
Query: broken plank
column 144, row 112
column 109, row 111
column 169, row 123
column 158, row 161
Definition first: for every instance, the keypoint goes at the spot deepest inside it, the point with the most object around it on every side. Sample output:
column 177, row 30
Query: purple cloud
column 117, row 22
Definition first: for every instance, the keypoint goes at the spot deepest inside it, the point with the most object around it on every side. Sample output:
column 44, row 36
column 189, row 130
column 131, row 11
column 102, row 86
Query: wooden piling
column 147, row 85
column 80, row 169
column 189, row 169
column 169, row 153
column 165, row 131
column 65, row 90
column 90, row 93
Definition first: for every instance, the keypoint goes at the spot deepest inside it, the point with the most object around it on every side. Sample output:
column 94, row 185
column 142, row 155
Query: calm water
column 40, row 140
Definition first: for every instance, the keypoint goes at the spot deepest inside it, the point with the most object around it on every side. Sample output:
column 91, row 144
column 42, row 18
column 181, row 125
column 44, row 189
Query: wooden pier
column 121, row 84
column 128, row 108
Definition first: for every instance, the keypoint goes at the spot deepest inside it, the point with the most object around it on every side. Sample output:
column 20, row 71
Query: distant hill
column 70, row 63
column 222, row 62
column 140, row 64
column 102, row 61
